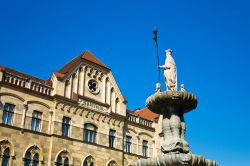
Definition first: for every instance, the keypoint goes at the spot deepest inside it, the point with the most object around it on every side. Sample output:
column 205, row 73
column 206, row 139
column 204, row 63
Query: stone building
column 77, row 117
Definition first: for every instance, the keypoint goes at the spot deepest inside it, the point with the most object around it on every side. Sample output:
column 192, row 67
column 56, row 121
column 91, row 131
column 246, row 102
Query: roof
column 145, row 113
column 86, row 55
column 23, row 75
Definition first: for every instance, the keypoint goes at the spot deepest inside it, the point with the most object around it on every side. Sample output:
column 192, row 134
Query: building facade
column 77, row 117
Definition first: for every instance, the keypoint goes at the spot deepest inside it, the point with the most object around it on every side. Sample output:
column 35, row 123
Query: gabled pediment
column 86, row 76
column 85, row 56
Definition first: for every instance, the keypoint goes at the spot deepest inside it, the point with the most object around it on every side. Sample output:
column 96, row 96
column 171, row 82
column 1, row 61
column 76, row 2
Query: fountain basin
column 184, row 101
column 176, row 159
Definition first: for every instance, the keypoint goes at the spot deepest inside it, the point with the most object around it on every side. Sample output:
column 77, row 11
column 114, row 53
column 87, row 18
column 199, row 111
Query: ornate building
column 77, row 117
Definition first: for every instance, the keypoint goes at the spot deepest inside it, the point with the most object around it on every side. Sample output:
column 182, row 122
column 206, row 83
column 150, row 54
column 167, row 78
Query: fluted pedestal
column 172, row 105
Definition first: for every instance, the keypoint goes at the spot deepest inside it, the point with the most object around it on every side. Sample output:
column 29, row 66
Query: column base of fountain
column 176, row 159
column 175, row 146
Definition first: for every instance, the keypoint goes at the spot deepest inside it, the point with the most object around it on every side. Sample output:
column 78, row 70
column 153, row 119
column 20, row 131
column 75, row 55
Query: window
column 6, row 157
column 35, row 160
column 128, row 144
column 89, row 133
column 8, row 113
column 93, row 86
column 62, row 162
column 112, row 138
column 65, row 126
column 36, row 121
column 112, row 163
column 28, row 159
column 59, row 161
column 89, row 161
column 144, row 148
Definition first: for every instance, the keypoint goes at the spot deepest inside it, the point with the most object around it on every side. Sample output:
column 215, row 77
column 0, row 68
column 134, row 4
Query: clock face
column 93, row 86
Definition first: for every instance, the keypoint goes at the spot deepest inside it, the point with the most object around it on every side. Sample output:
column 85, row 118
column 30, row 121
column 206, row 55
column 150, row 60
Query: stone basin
column 183, row 101
column 173, row 159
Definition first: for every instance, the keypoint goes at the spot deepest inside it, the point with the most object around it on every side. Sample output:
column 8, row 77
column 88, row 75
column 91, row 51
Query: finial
column 183, row 88
column 158, row 87
column 169, row 52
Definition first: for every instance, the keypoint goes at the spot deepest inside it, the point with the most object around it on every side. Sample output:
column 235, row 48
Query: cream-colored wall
column 52, row 144
column 77, row 82
column 49, row 139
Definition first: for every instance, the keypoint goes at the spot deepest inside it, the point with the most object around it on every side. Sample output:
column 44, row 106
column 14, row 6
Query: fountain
column 172, row 104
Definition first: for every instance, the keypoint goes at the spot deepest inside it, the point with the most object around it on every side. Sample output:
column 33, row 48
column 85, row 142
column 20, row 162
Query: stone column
column 50, row 121
column 25, row 105
column 171, row 125
column 138, row 144
column 1, row 75
column 1, row 157
column 1, row 109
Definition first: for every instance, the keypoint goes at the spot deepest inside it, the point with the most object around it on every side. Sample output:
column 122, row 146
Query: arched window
column 6, row 157
column 117, row 106
column 59, row 161
column 107, row 90
column 62, row 159
column 112, row 163
column 31, row 161
column 66, row 162
column 89, row 134
column 35, row 160
column 6, row 152
column 89, row 161
column 27, row 159
column 112, row 99
column 67, row 89
column 33, row 156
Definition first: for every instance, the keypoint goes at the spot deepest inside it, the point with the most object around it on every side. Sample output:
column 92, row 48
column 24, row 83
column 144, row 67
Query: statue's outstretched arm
column 165, row 67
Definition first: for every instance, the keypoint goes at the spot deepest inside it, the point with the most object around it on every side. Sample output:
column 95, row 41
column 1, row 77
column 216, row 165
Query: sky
column 210, row 42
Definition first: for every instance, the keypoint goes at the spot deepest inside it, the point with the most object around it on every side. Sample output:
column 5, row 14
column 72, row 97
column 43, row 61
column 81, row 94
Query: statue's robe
column 170, row 73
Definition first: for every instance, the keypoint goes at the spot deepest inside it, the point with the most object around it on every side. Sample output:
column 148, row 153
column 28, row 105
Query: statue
column 158, row 88
column 170, row 76
column 183, row 88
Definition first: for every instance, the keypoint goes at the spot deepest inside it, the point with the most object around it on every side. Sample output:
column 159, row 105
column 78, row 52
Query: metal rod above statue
column 170, row 71
column 155, row 38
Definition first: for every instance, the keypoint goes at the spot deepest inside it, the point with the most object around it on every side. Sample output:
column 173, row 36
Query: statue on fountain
column 172, row 104
column 170, row 76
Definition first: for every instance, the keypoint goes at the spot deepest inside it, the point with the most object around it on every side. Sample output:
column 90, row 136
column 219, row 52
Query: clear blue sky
column 210, row 40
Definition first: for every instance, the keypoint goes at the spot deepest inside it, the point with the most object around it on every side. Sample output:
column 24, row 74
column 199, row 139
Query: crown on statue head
column 169, row 52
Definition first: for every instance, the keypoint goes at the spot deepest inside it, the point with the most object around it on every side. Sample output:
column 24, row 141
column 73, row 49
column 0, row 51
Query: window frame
column 6, row 157
column 90, row 135
column 36, row 119
column 128, row 144
column 7, row 113
column 145, row 148
column 66, row 124
column 31, row 159
column 89, row 161
column 112, row 138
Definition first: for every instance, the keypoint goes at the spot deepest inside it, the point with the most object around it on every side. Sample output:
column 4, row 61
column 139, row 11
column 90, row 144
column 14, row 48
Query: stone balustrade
column 140, row 120
column 26, row 83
